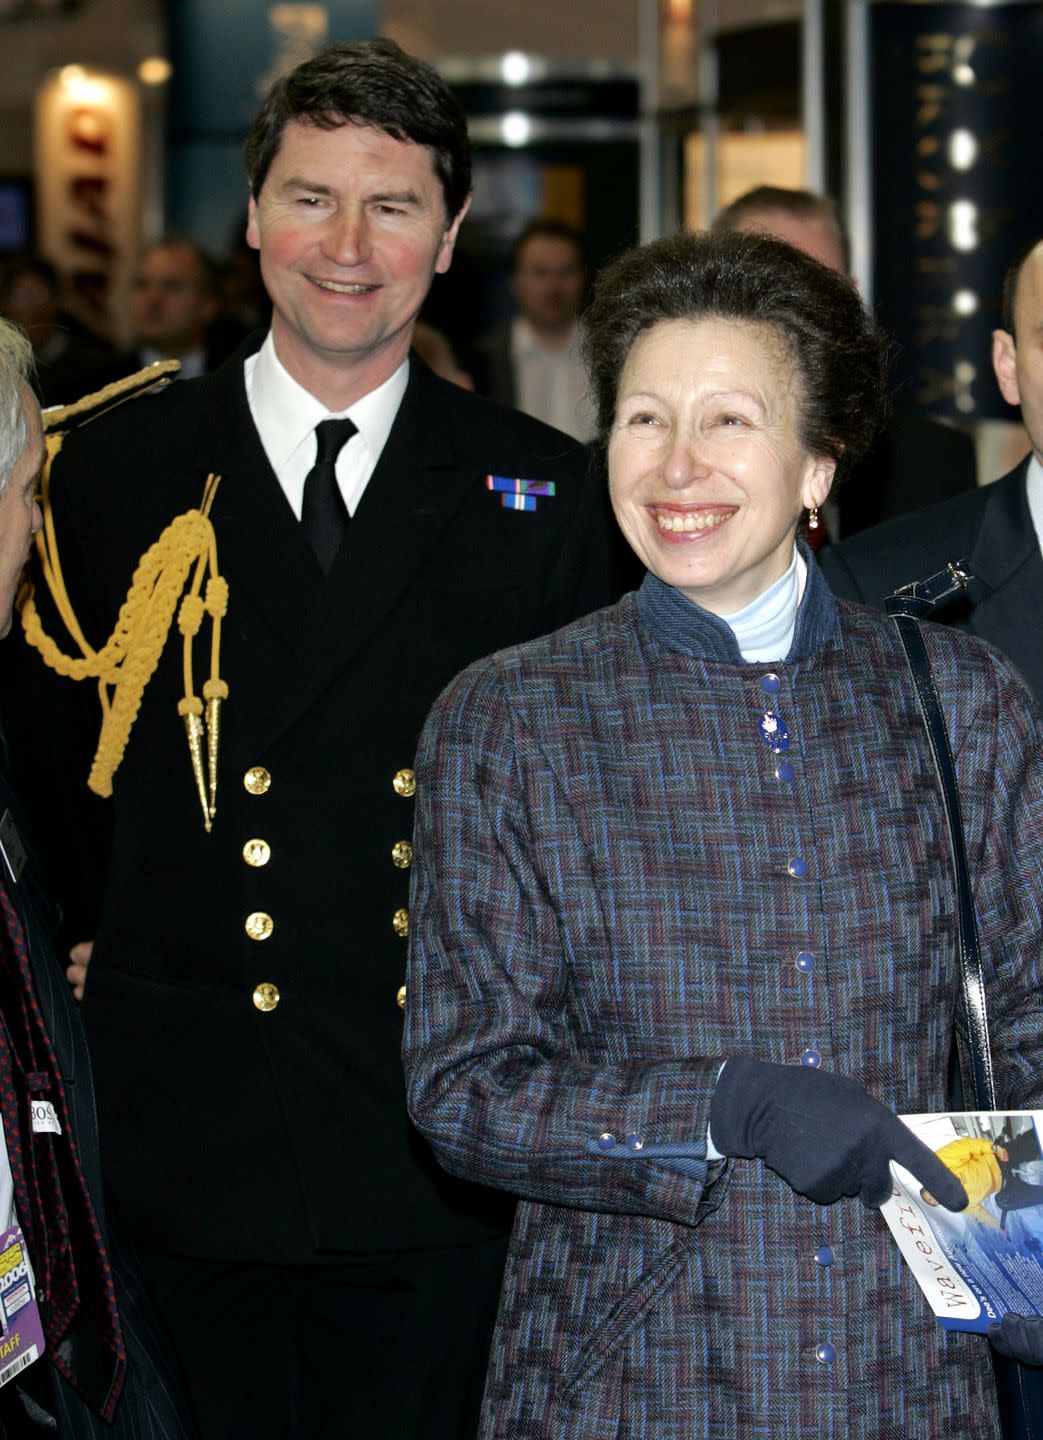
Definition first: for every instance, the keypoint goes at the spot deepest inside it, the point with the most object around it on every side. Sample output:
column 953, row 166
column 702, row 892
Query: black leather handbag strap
column 906, row 608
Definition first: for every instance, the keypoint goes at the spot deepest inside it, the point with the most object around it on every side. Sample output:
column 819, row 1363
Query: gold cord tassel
column 213, row 744
column 215, row 691
column 194, row 732
column 213, row 741
column 126, row 662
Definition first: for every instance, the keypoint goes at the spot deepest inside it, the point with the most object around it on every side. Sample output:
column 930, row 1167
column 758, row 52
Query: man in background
column 533, row 361
column 173, row 307
column 997, row 529
column 915, row 460
column 70, row 360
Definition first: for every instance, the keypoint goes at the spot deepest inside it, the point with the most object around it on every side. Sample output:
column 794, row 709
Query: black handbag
column 1019, row 1387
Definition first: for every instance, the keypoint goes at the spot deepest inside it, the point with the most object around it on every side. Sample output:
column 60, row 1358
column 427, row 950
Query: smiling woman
column 811, row 341
column 681, row 938
column 708, row 475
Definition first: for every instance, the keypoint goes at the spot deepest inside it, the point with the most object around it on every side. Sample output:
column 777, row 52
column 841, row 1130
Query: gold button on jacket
column 259, row 925
column 401, row 997
column 257, row 853
column 402, row 854
column 266, row 997
column 400, row 922
column 404, row 783
column 257, row 780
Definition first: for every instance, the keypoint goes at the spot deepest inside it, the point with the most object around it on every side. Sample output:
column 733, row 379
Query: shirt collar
column 1034, row 489
column 286, row 414
column 686, row 628
column 525, row 342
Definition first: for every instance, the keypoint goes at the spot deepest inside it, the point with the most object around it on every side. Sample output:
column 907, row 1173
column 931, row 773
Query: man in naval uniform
column 377, row 529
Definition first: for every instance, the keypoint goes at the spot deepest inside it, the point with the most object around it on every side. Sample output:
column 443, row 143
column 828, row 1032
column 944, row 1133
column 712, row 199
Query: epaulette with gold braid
column 184, row 552
column 59, row 418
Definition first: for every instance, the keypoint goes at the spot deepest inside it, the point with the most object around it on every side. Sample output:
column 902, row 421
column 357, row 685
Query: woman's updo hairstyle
column 825, row 331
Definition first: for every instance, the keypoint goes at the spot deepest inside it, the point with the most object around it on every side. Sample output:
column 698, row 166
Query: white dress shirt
column 551, row 384
column 1034, row 487
column 286, row 415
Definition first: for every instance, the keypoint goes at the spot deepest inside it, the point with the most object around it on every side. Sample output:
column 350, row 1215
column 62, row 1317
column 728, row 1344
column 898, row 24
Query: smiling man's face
column 351, row 226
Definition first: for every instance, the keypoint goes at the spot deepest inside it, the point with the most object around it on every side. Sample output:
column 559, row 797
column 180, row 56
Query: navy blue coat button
column 798, row 867
column 770, row 684
column 784, row 771
column 606, row 1141
column 805, row 962
column 825, row 1353
column 634, row 1142
column 812, row 1059
column 824, row 1255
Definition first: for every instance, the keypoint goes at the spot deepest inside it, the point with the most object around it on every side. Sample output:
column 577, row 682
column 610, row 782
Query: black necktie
column 324, row 516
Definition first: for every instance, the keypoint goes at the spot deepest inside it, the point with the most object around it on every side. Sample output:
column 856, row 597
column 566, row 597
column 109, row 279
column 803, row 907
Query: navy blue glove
column 1019, row 1337
column 823, row 1134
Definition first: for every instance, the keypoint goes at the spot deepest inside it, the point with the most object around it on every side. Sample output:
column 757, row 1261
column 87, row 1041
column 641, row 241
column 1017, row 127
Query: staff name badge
column 11, row 847
column 21, row 1329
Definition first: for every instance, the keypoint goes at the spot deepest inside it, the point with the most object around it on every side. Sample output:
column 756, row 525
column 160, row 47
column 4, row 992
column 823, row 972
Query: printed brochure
column 977, row 1264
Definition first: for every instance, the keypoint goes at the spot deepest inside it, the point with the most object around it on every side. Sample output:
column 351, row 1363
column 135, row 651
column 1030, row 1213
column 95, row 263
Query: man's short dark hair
column 825, row 331
column 800, row 204
column 371, row 83
column 205, row 266
column 23, row 263
column 551, row 229
column 1010, row 286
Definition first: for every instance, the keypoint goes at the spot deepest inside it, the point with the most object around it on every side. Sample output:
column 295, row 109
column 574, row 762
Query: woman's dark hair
column 372, row 83
column 832, row 339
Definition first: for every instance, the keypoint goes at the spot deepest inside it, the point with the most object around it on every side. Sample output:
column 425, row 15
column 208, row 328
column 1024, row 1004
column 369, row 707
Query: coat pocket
column 632, row 1310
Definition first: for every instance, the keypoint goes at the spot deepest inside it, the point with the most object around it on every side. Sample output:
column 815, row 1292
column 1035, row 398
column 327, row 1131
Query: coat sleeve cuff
column 688, row 1158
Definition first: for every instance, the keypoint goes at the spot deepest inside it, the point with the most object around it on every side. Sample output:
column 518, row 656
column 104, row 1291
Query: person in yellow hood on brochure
column 986, row 1167
column 975, row 1161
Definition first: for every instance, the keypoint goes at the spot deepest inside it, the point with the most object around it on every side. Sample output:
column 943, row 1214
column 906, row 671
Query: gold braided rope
column 126, row 662
column 59, row 418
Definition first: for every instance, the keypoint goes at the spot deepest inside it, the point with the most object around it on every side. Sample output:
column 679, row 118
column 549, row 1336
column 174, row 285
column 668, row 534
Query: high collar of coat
column 687, row 629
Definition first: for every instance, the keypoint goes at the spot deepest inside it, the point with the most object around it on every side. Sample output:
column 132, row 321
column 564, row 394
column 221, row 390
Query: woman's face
column 707, row 475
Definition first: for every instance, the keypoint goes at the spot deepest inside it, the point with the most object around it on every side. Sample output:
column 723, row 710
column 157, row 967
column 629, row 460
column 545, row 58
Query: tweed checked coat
column 608, row 902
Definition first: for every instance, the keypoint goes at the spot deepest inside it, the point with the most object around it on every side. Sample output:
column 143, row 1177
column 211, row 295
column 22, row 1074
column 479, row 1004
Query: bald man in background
column 997, row 529
column 915, row 460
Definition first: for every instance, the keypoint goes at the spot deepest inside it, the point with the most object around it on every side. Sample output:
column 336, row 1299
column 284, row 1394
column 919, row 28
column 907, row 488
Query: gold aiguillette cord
column 126, row 662
column 215, row 690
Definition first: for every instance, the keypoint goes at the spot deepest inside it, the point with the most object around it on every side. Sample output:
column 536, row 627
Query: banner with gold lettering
column 956, row 160
column 88, row 167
